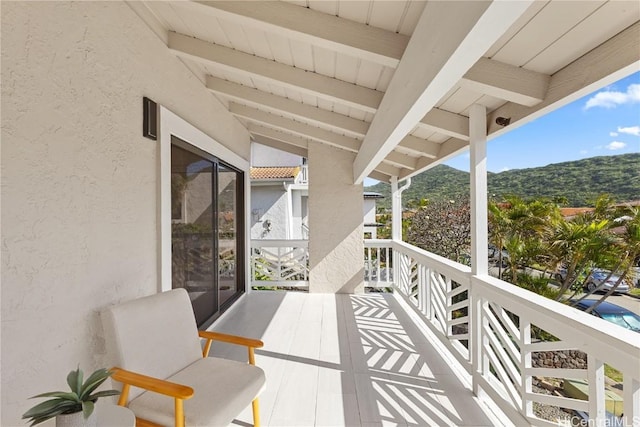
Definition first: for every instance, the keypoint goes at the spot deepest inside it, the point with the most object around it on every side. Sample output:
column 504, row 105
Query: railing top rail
column 456, row 271
column 279, row 243
column 593, row 334
column 377, row 243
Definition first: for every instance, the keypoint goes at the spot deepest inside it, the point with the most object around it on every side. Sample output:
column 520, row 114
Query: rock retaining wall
column 565, row 359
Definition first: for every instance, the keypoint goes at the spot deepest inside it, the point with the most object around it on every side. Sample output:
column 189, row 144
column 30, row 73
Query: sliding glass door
column 207, row 229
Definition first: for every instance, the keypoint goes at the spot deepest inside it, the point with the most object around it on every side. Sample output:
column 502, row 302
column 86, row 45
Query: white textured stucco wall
column 336, row 248
column 369, row 208
column 270, row 203
column 262, row 155
column 79, row 180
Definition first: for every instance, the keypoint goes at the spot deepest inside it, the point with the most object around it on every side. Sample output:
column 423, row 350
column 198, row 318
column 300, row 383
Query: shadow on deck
column 357, row 360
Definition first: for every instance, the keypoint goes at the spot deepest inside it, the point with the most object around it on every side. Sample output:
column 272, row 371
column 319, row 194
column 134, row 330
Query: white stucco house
column 125, row 171
column 280, row 197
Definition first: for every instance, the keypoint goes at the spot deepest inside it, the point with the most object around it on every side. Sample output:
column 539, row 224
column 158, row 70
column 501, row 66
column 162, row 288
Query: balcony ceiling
column 393, row 81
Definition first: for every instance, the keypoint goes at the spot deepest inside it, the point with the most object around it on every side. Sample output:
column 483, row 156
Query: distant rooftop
column 274, row 172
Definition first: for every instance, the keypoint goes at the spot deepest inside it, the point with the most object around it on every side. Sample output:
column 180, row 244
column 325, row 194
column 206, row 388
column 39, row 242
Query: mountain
column 580, row 181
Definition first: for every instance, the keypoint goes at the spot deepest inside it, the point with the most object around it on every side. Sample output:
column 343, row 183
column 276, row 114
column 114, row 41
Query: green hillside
column 580, row 181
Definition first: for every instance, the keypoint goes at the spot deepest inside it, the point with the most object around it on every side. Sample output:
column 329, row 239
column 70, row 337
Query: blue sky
column 604, row 123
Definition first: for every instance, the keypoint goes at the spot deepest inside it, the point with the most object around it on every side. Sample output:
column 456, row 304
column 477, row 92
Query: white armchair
column 167, row 377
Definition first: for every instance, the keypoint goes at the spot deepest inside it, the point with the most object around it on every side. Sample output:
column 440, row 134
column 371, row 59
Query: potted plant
column 74, row 408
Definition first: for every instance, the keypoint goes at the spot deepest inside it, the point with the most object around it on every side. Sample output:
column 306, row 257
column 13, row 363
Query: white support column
column 596, row 392
column 479, row 236
column 478, row 168
column 396, row 207
column 336, row 223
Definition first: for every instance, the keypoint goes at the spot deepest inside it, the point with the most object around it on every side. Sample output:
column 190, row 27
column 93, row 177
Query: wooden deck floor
column 356, row 360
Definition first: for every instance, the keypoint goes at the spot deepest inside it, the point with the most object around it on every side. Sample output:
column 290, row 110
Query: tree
column 442, row 227
column 629, row 246
column 517, row 225
column 588, row 243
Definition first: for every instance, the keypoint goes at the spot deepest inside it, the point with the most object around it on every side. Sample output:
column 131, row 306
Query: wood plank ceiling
column 393, row 81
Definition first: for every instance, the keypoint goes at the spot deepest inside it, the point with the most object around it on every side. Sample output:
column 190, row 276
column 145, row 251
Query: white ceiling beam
column 424, row 147
column 324, row 87
column 280, row 145
column 380, row 176
column 506, row 82
column 401, row 160
column 318, row 134
column 320, row 29
column 294, row 127
column 420, row 81
column 447, row 123
column 340, row 122
column 273, row 72
column 306, row 112
column 297, row 141
column 613, row 60
column 388, row 169
column 294, row 144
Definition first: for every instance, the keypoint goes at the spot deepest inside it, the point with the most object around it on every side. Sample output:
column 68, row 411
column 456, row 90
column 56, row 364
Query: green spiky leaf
column 49, row 406
column 61, row 394
column 87, row 409
column 80, row 399
column 93, row 382
column 74, row 379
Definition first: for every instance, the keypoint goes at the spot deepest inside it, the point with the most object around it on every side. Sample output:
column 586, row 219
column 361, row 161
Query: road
column 630, row 303
column 626, row 301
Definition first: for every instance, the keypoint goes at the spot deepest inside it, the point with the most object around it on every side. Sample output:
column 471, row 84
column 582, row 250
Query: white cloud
column 616, row 145
column 612, row 98
column 613, row 134
column 504, row 169
column 584, row 152
column 631, row 130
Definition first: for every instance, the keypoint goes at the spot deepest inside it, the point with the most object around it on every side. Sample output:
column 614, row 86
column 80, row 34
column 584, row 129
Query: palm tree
column 629, row 250
column 574, row 245
column 518, row 226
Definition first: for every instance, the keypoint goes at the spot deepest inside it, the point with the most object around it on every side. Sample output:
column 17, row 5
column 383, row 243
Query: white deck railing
column 280, row 263
column 491, row 327
column 378, row 265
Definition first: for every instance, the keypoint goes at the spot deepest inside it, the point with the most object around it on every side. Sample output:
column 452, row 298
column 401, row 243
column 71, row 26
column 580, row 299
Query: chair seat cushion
column 222, row 389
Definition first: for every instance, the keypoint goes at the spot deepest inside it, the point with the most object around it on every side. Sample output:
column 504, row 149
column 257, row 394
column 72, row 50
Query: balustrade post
column 427, row 295
column 422, row 291
column 596, row 391
column 525, row 365
column 631, row 393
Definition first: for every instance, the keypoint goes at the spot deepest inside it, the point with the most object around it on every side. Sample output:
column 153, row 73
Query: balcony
column 413, row 357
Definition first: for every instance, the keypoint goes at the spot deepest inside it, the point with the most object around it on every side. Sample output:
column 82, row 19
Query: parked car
column 599, row 281
column 494, row 256
column 612, row 313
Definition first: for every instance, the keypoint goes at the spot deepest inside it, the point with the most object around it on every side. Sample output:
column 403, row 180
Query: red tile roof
column 274, row 172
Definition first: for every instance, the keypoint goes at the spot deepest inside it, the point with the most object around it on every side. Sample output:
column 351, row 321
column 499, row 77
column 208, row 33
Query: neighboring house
column 280, row 196
column 278, row 203
column 369, row 207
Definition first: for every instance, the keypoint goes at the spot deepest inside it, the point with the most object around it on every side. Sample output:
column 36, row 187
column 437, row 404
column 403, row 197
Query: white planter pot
column 76, row 420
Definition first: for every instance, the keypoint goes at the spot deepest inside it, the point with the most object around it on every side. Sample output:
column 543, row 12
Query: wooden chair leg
column 256, row 412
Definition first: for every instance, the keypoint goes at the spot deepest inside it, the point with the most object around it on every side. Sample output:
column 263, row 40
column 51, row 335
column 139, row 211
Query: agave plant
column 81, row 398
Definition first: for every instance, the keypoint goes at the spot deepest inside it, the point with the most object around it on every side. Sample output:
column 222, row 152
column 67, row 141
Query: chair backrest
column 154, row 335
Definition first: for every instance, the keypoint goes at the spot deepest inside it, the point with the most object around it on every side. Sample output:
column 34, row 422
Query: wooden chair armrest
column 157, row 385
column 233, row 339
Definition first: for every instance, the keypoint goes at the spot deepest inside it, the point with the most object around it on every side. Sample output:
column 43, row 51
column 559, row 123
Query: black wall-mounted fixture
column 503, row 121
column 149, row 119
